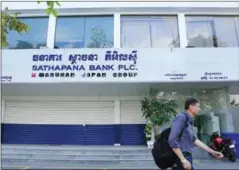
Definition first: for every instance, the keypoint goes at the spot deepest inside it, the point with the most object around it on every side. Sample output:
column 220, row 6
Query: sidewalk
column 216, row 164
column 198, row 165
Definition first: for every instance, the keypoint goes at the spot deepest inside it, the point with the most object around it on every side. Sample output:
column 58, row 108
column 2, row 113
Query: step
column 76, row 151
column 83, row 157
column 137, row 166
column 73, row 147
column 114, row 149
column 73, row 152
column 78, row 157
column 206, row 164
column 70, row 151
column 66, row 155
column 69, row 163
column 72, row 155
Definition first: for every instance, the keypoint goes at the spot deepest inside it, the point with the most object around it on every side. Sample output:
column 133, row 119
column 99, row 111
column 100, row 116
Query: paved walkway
column 203, row 164
column 216, row 164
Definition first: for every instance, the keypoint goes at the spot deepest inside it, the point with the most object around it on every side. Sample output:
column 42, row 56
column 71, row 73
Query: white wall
column 127, row 8
column 112, row 4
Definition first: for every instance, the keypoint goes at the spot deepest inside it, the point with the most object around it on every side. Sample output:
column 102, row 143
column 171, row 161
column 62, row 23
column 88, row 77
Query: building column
column 226, row 115
column 230, row 127
column 117, row 41
column 2, row 110
column 182, row 30
column 233, row 116
column 51, row 31
column 117, row 32
column 117, row 122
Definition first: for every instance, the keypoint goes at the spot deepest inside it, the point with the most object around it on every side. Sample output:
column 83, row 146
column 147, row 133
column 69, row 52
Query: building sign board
column 87, row 65
column 120, row 65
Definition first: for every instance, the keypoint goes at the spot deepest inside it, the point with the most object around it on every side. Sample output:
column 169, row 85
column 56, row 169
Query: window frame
column 36, row 16
column 213, row 24
column 117, row 14
column 149, row 18
column 82, row 16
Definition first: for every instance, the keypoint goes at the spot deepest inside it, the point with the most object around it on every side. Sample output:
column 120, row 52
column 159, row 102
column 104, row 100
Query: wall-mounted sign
column 6, row 78
column 176, row 76
column 213, row 76
column 121, row 65
column 113, row 64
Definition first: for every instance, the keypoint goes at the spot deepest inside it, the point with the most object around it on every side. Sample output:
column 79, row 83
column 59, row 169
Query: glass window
column 212, row 31
column 151, row 31
column 84, row 32
column 33, row 39
column 135, row 33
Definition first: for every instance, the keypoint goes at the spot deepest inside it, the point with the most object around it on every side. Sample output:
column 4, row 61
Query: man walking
column 183, row 146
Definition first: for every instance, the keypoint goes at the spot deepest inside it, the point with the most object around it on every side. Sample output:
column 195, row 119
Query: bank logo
column 33, row 74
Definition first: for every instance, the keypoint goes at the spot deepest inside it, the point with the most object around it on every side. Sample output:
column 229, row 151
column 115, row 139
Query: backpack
column 163, row 155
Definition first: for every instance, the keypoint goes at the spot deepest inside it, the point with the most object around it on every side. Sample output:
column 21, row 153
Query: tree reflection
column 27, row 45
column 175, row 43
column 22, row 45
column 210, row 99
column 202, row 41
column 99, row 39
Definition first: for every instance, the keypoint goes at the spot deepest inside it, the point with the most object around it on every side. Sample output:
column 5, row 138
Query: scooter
column 225, row 146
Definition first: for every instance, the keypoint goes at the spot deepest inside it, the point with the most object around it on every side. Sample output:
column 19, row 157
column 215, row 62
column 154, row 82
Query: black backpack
column 163, row 155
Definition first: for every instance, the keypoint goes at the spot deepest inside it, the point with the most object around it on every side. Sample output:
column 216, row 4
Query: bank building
column 79, row 78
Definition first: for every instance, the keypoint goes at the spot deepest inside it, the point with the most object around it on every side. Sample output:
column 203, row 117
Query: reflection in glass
column 212, row 31
column 35, row 38
column 237, row 27
column 210, row 99
column 84, row 32
column 135, row 33
column 149, row 31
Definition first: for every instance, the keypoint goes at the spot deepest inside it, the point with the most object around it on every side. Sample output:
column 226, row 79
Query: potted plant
column 158, row 109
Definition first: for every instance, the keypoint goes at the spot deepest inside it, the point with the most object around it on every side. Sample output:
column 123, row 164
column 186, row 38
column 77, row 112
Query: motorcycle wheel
column 231, row 155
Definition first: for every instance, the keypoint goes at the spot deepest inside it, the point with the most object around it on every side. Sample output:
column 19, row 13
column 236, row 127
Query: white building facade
column 78, row 79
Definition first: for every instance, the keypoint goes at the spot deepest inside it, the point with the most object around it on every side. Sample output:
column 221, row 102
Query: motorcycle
column 225, row 146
